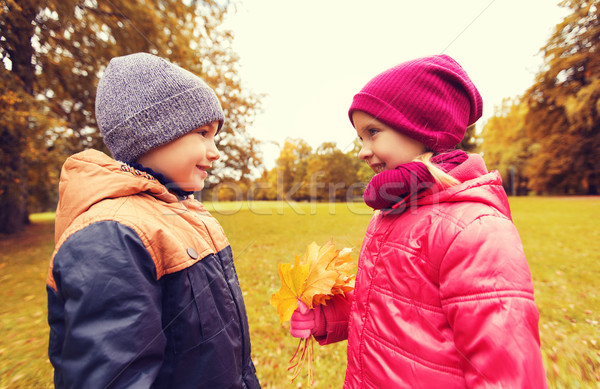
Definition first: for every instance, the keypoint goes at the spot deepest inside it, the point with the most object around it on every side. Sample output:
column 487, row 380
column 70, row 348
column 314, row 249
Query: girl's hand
column 304, row 321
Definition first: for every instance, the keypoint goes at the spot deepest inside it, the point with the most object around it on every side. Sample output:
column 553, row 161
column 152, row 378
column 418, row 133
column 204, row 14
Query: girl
column 444, row 296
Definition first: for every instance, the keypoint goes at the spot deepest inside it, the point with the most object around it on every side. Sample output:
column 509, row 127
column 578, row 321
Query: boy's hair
column 144, row 101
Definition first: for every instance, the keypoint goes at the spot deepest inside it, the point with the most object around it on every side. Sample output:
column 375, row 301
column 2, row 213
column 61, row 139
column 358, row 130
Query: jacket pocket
column 54, row 343
column 206, row 307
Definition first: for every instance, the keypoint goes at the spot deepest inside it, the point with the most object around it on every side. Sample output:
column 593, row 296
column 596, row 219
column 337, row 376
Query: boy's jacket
column 142, row 290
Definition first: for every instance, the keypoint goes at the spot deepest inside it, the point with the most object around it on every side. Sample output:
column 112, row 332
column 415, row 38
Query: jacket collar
column 91, row 176
column 477, row 185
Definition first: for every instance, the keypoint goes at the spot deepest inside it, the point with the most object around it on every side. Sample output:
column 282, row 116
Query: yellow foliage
column 314, row 278
column 322, row 273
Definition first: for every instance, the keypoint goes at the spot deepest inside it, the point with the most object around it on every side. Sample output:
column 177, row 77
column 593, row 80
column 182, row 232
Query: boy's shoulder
column 176, row 235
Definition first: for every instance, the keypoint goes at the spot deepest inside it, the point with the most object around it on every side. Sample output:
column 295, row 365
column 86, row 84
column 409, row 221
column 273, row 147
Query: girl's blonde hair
column 440, row 176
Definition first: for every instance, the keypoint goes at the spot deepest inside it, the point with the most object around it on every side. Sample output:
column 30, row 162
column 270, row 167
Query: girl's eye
column 203, row 133
column 373, row 131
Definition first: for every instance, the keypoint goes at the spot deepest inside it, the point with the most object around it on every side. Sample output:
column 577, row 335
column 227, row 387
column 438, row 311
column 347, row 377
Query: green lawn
column 561, row 238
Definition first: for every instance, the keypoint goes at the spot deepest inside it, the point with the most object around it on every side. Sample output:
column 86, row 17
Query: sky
column 310, row 57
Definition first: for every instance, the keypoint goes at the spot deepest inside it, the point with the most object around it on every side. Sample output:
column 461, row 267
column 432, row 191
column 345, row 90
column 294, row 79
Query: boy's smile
column 185, row 160
column 203, row 170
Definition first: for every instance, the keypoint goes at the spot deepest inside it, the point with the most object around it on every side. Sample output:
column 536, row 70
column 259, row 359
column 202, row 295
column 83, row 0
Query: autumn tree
column 471, row 141
column 260, row 188
column 325, row 174
column 53, row 53
column 286, row 179
column 363, row 172
column 330, row 174
column 564, row 106
column 506, row 147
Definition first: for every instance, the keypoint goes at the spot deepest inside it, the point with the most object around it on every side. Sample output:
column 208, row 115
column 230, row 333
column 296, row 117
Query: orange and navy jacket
column 142, row 289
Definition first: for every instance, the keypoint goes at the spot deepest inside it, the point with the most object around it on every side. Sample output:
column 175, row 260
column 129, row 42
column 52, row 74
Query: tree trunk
column 592, row 188
column 13, row 187
column 13, row 199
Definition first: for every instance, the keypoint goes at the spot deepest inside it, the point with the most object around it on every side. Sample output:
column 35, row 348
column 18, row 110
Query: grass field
column 561, row 238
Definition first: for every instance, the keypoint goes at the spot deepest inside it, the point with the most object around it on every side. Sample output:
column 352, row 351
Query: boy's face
column 186, row 159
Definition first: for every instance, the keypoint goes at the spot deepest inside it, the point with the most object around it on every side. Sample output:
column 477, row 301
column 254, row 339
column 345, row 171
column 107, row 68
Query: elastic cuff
column 320, row 328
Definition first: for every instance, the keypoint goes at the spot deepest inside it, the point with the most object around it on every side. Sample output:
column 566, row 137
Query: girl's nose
column 365, row 153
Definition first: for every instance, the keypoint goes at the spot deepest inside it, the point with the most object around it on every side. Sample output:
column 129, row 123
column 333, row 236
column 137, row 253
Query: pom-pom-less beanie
column 144, row 101
column 429, row 99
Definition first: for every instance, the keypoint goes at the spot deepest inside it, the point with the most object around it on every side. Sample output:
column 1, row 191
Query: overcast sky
column 310, row 57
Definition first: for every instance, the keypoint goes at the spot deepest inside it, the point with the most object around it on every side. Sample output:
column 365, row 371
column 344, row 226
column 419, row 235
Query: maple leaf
column 322, row 276
column 344, row 265
column 313, row 278
column 316, row 277
column 292, row 279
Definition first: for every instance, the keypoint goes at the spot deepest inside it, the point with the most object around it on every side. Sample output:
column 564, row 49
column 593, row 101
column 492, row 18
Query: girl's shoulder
column 465, row 212
column 435, row 221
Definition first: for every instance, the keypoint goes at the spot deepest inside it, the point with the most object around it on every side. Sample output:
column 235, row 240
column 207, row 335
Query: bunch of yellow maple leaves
column 315, row 278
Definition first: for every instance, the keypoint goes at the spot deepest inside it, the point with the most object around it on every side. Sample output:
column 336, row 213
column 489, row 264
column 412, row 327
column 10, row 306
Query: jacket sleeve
column 105, row 316
column 487, row 296
column 334, row 319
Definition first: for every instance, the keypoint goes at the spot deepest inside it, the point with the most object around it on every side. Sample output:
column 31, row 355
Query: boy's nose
column 213, row 153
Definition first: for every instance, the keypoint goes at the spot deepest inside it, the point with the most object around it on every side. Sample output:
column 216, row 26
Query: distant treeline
column 53, row 52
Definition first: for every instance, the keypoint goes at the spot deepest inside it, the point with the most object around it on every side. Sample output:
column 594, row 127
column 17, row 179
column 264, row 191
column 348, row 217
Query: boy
column 142, row 290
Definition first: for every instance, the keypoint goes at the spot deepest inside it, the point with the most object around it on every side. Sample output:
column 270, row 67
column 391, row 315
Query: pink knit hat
column 429, row 99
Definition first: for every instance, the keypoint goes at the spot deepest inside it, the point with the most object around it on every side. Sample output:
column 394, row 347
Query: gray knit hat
column 144, row 101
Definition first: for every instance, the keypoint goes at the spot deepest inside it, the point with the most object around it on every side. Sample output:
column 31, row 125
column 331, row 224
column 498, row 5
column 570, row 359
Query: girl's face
column 185, row 159
column 383, row 148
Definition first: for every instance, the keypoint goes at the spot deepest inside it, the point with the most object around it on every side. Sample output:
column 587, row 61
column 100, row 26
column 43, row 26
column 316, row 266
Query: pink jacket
column 444, row 296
